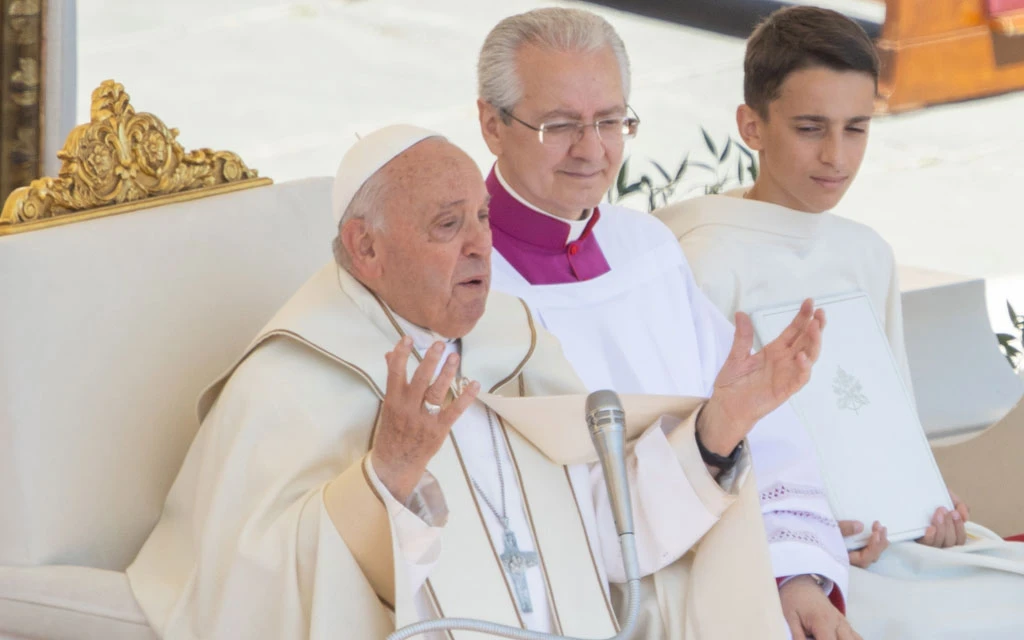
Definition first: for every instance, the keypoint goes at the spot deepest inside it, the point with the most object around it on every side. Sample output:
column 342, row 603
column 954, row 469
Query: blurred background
column 288, row 84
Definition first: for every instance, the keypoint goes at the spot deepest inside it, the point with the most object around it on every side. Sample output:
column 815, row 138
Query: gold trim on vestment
column 436, row 603
column 483, row 523
column 373, row 489
column 597, row 570
column 529, row 353
column 533, row 529
column 122, row 161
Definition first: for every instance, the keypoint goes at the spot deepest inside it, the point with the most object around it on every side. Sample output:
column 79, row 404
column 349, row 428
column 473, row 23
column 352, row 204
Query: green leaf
column 1017, row 320
column 662, row 171
column 682, row 168
column 725, row 151
column 620, row 182
column 709, row 142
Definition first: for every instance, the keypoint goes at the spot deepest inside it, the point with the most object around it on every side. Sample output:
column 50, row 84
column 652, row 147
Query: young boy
column 810, row 80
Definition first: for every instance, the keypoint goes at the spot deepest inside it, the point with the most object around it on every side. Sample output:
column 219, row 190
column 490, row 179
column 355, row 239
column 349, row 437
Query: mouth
column 830, row 183
column 582, row 175
column 478, row 282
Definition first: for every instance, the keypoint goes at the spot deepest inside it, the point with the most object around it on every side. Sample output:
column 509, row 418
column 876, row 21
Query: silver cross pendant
column 516, row 563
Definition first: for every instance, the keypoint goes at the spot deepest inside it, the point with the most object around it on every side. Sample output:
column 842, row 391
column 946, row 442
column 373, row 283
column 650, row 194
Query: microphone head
column 604, row 412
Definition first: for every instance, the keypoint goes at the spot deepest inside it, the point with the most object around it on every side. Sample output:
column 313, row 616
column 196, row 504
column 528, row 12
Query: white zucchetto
column 367, row 156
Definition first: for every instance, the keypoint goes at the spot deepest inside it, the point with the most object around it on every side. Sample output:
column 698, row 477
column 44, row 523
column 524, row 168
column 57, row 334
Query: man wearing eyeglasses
column 613, row 286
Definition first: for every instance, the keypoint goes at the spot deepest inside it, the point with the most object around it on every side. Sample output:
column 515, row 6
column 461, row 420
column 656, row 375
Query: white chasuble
column 747, row 255
column 273, row 529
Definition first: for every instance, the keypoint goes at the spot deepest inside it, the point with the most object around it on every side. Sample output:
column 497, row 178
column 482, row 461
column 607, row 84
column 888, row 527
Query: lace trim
column 809, row 515
column 804, row 537
column 781, row 490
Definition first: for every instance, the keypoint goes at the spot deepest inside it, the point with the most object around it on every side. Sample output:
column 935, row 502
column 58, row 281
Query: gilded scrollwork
column 120, row 157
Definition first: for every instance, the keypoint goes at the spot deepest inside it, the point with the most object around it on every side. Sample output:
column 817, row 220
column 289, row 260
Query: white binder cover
column 875, row 459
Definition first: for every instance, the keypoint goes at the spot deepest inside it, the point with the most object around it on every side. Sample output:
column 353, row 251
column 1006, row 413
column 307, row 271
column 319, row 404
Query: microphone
column 607, row 424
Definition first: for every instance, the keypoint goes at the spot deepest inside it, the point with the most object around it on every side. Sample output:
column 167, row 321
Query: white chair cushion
column 69, row 603
column 111, row 328
column 961, row 380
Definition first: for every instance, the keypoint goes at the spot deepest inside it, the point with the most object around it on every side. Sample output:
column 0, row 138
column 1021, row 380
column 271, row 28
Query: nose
column 589, row 146
column 832, row 151
column 478, row 238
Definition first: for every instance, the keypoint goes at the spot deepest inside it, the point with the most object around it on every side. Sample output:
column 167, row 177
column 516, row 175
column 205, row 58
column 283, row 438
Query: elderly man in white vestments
column 348, row 477
column 811, row 78
column 613, row 286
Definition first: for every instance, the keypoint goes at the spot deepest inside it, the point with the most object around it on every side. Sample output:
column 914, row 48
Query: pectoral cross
column 516, row 563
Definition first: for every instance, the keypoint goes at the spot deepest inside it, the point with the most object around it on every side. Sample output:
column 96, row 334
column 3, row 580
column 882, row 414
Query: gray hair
column 367, row 204
column 555, row 28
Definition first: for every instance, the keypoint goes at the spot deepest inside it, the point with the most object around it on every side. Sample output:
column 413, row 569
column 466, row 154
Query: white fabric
column 111, row 329
column 576, row 227
column 658, row 486
column 69, row 603
column 472, row 433
column 742, row 250
column 748, row 255
column 644, row 327
column 367, row 156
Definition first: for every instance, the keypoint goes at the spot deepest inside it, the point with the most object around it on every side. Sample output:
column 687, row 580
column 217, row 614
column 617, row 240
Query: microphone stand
column 606, row 421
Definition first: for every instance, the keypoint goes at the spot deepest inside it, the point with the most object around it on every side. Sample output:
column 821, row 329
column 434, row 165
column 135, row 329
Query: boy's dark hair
column 797, row 38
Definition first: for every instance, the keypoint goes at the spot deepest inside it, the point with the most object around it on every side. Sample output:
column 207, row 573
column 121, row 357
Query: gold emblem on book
column 849, row 392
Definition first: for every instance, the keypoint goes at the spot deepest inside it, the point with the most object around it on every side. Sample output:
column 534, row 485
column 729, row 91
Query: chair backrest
column 111, row 327
column 961, row 380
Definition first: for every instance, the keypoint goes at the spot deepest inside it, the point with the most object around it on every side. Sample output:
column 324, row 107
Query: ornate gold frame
column 122, row 161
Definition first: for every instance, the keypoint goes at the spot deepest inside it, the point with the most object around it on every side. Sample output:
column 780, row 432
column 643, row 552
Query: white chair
column 968, row 398
column 111, row 327
column 962, row 381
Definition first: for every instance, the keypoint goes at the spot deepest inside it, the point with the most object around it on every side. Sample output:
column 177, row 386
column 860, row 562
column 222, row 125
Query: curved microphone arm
column 607, row 424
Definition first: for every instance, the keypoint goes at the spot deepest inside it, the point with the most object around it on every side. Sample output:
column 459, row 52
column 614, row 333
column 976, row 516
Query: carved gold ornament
column 122, row 161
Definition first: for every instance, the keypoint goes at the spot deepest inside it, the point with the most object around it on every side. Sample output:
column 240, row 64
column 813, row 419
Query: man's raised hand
column 408, row 435
column 750, row 386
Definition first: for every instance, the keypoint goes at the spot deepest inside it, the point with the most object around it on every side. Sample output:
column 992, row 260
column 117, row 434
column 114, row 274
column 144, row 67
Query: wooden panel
column 937, row 51
column 911, row 19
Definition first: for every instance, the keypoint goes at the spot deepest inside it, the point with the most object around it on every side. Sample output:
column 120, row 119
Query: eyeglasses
column 565, row 133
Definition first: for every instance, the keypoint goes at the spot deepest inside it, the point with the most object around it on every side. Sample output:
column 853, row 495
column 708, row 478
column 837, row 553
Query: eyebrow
column 824, row 120
column 447, row 206
column 575, row 115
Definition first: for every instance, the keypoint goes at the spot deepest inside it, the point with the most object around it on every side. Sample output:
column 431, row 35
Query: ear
column 490, row 126
column 358, row 239
column 751, row 126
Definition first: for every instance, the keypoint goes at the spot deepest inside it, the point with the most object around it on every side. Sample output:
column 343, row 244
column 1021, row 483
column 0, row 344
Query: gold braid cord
column 117, row 160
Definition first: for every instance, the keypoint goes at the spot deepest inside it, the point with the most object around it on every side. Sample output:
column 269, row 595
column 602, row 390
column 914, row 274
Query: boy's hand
column 877, row 543
column 947, row 527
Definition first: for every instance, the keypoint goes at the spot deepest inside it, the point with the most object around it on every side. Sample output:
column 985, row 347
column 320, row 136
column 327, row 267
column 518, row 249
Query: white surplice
column 748, row 255
column 644, row 327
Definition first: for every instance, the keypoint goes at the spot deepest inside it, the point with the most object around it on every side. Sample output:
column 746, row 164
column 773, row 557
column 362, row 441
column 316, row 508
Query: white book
column 875, row 459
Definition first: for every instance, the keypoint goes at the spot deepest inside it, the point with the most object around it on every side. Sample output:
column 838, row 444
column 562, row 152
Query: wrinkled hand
column 809, row 612
column 877, row 543
column 750, row 386
column 407, row 436
column 947, row 528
